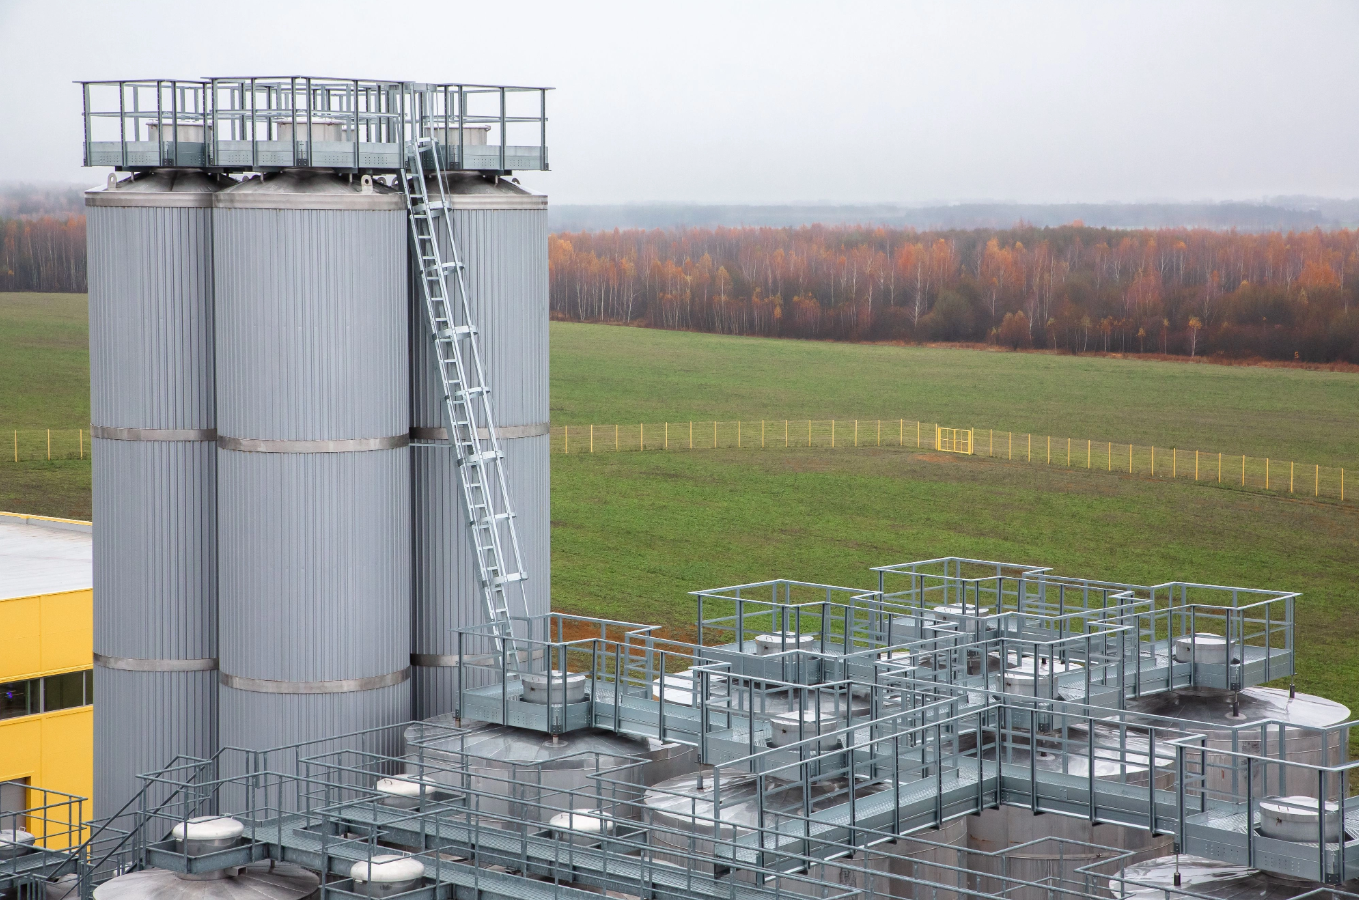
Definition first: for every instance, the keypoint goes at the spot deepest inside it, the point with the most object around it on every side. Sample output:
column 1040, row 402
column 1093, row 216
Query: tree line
column 42, row 253
column 1175, row 291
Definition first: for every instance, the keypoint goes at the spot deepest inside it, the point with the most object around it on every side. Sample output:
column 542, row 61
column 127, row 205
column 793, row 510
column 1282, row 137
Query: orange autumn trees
column 1073, row 288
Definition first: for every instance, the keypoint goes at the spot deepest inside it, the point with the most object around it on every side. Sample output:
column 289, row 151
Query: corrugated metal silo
column 155, row 472
column 501, row 231
column 313, row 458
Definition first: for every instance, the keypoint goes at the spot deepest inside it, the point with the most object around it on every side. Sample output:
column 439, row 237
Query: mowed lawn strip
column 605, row 374
column 633, row 533
column 44, row 362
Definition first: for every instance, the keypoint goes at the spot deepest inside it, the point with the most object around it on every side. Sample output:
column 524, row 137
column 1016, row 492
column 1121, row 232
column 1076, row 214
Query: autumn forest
column 1072, row 288
column 1195, row 292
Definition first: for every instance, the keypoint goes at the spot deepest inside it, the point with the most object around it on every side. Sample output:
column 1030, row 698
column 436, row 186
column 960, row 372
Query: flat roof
column 44, row 556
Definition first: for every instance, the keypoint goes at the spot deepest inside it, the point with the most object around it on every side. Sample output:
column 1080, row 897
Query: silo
column 313, row 457
column 155, row 474
column 501, row 231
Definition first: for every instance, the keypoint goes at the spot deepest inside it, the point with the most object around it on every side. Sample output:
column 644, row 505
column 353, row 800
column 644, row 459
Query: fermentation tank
column 266, row 880
column 155, row 476
column 687, row 829
column 529, row 775
column 1228, row 723
column 313, row 457
column 1155, row 880
column 501, row 232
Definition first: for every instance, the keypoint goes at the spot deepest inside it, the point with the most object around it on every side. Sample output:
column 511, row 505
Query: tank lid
column 305, row 189
column 208, row 828
column 388, row 868
column 16, row 836
column 508, row 746
column 1213, row 706
column 264, row 880
column 403, row 787
column 164, row 188
column 589, row 821
column 470, row 191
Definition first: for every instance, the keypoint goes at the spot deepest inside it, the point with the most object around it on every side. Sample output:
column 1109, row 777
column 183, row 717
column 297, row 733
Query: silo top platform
column 268, row 123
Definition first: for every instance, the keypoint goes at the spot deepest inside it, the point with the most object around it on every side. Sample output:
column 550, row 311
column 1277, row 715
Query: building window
column 63, row 691
column 37, row 695
column 18, row 698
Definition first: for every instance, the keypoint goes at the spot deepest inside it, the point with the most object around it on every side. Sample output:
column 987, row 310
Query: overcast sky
column 782, row 102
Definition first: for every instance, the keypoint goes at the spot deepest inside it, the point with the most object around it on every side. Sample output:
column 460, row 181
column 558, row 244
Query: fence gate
column 953, row 440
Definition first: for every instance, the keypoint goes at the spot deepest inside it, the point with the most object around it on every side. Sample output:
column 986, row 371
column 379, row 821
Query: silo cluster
column 275, row 562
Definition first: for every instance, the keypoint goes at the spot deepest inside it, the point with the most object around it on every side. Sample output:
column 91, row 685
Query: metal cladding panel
column 314, row 560
column 311, row 323
column 142, row 721
column 447, row 594
column 151, row 341
column 155, row 550
column 256, row 721
column 505, row 254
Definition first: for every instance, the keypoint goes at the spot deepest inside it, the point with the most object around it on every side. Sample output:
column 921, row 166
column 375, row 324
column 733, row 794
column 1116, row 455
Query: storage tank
column 534, row 772
column 1225, row 722
column 1155, row 880
column 266, row 880
column 501, row 231
column 687, row 830
column 155, row 475
column 1208, row 711
column 1013, row 843
column 313, row 457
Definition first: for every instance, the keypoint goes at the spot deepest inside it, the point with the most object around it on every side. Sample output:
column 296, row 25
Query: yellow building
column 46, row 647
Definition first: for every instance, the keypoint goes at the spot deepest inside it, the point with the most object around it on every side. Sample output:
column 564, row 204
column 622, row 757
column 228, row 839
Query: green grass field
column 606, row 375
column 634, row 532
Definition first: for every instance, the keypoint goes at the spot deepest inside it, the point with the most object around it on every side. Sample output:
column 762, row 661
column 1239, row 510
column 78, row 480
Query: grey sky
column 783, row 102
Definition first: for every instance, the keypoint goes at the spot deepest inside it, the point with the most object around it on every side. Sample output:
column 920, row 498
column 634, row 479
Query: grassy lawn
column 603, row 375
column 44, row 361
column 633, row 532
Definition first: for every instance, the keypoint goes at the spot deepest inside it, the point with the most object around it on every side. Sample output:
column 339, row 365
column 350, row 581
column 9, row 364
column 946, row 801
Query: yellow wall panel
column 67, row 630
column 68, row 751
column 20, row 647
column 21, row 748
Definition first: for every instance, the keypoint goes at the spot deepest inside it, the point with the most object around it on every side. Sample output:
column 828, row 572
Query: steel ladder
column 467, row 398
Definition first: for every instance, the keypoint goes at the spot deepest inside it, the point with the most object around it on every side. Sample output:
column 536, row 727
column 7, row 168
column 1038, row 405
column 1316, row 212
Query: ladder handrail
column 467, row 400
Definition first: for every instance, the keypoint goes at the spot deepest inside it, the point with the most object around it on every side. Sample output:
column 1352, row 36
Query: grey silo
column 153, row 427
column 501, row 231
column 313, row 457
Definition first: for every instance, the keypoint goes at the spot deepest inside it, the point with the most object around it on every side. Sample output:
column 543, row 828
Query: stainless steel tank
column 257, row 881
column 522, row 774
column 501, row 232
column 313, row 457
column 1231, row 724
column 1012, row 843
column 153, row 426
column 687, row 829
column 1155, row 880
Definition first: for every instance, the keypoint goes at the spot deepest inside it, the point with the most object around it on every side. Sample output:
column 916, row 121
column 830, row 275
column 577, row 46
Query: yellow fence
column 31, row 444
column 1237, row 470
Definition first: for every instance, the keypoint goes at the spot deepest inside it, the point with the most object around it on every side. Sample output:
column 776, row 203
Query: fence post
column 567, row 446
column 1174, row 460
column 1030, row 436
column 691, row 434
column 641, row 435
column 1196, row 465
column 901, row 433
column 714, row 434
column 785, row 434
column 81, row 433
column 592, row 439
column 1266, row 473
column 917, row 434
column 832, row 434
column 856, row 432
column 991, row 444
column 1243, row 470
column 880, row 432
column 1153, row 461
column 809, row 434
column 49, row 445
column 16, row 445
column 1290, row 462
column 1317, row 490
column 762, row 434
column 738, row 434
column 1087, row 454
column 1109, row 456
column 1010, row 444
column 1342, row 485
column 667, row 435
column 615, row 437
column 1219, row 468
